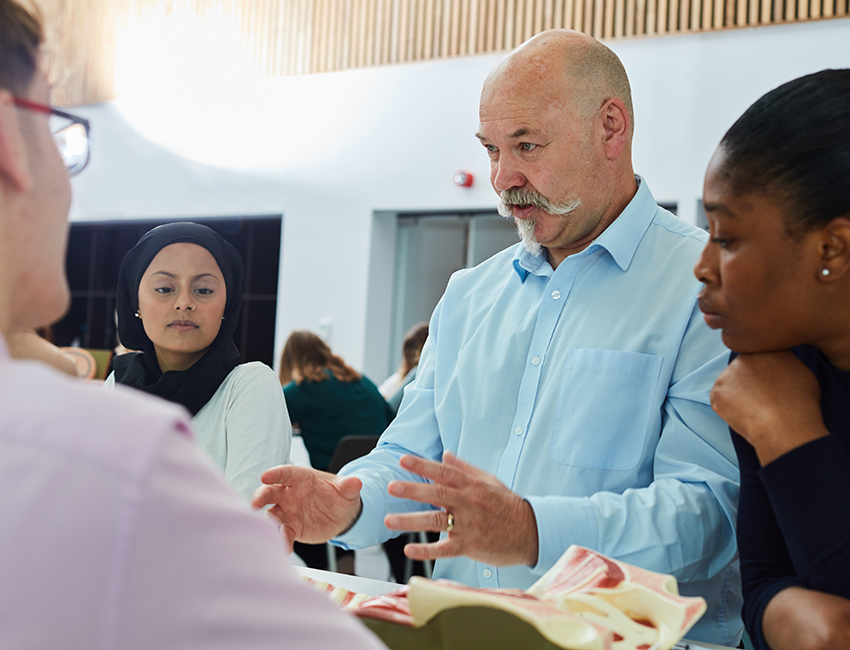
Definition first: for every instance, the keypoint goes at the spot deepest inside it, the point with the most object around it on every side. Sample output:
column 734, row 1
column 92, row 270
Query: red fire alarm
column 463, row 179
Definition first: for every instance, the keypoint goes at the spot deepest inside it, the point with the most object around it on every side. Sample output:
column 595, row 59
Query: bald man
column 562, row 396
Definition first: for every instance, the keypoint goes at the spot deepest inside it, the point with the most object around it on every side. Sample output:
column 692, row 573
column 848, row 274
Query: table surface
column 377, row 587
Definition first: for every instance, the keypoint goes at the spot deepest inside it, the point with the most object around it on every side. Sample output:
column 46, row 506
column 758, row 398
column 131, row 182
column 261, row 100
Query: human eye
column 723, row 242
column 163, row 289
column 204, row 291
column 491, row 148
column 527, row 146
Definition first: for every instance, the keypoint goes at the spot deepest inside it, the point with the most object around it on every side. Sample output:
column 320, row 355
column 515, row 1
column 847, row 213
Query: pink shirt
column 116, row 532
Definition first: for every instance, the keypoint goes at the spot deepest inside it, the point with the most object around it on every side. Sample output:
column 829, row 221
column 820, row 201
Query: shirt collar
column 620, row 239
column 525, row 263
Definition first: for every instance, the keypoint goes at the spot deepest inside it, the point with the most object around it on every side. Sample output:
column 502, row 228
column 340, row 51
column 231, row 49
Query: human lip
column 183, row 325
column 713, row 318
column 522, row 211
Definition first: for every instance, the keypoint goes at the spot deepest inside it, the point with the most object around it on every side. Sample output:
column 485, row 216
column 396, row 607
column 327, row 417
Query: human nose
column 505, row 174
column 184, row 300
column 705, row 269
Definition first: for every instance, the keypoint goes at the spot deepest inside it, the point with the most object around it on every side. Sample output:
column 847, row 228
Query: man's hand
column 313, row 506
column 802, row 619
column 771, row 399
column 490, row 523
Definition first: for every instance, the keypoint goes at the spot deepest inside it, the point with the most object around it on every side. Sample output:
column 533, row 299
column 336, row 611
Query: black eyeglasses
column 70, row 133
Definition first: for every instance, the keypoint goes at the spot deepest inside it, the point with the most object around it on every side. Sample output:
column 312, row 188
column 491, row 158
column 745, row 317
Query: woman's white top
column 244, row 427
column 390, row 385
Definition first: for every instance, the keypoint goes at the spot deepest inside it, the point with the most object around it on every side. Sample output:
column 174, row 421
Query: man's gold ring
column 451, row 525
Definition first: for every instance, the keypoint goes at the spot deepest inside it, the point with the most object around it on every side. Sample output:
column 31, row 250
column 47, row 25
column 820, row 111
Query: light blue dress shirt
column 585, row 390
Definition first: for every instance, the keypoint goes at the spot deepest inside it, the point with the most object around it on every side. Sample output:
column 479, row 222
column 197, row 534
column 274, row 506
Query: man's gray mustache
column 518, row 197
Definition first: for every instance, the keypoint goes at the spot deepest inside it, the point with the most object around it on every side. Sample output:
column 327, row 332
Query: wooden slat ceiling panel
column 291, row 37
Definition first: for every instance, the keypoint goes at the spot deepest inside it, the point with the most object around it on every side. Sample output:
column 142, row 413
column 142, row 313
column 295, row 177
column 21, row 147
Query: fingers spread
column 453, row 461
column 276, row 513
column 432, row 521
column 274, row 475
column 444, row 548
column 437, row 495
column 289, row 535
column 436, row 472
column 349, row 487
column 289, row 475
column 266, row 495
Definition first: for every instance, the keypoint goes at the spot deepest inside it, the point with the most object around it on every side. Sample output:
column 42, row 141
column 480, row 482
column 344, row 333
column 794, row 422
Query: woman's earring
column 137, row 314
column 824, row 272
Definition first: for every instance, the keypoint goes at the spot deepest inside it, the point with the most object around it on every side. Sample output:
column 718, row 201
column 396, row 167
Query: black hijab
column 193, row 387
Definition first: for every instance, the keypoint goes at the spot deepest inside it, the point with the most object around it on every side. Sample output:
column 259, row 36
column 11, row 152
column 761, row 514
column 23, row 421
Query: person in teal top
column 326, row 398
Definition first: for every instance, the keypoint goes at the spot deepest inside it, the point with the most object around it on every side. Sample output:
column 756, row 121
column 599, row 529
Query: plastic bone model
column 585, row 602
column 642, row 608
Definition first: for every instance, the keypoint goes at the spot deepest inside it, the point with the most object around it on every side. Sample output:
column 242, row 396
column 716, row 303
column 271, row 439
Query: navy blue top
column 794, row 514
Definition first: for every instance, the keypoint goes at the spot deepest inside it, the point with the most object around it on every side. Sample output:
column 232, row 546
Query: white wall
column 688, row 90
column 338, row 154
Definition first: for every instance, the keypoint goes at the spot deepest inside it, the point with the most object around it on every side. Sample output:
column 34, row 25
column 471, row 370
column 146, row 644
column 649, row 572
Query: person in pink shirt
column 115, row 530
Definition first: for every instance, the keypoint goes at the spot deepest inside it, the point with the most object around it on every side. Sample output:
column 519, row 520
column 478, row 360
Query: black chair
column 350, row 448
column 347, row 449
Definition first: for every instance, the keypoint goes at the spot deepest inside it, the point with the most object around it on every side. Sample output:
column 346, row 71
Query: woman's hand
column 772, row 400
column 802, row 619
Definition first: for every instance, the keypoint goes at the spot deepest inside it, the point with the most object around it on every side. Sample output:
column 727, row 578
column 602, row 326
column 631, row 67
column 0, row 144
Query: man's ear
column 834, row 250
column 13, row 157
column 617, row 123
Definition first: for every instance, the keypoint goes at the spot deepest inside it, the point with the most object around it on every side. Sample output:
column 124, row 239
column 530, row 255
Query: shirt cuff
column 365, row 531
column 561, row 522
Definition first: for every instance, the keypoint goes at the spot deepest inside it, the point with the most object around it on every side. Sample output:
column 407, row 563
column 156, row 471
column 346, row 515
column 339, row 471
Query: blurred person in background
column 327, row 400
column 393, row 390
column 116, row 530
column 411, row 348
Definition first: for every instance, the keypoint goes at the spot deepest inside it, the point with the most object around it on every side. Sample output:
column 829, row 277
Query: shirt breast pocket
column 604, row 404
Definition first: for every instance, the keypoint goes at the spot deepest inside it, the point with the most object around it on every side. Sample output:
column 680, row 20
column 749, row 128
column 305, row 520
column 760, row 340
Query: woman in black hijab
column 178, row 302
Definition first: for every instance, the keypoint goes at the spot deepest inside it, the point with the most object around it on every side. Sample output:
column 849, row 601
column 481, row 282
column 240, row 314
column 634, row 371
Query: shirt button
column 556, row 294
column 518, row 431
column 486, row 573
column 535, row 361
